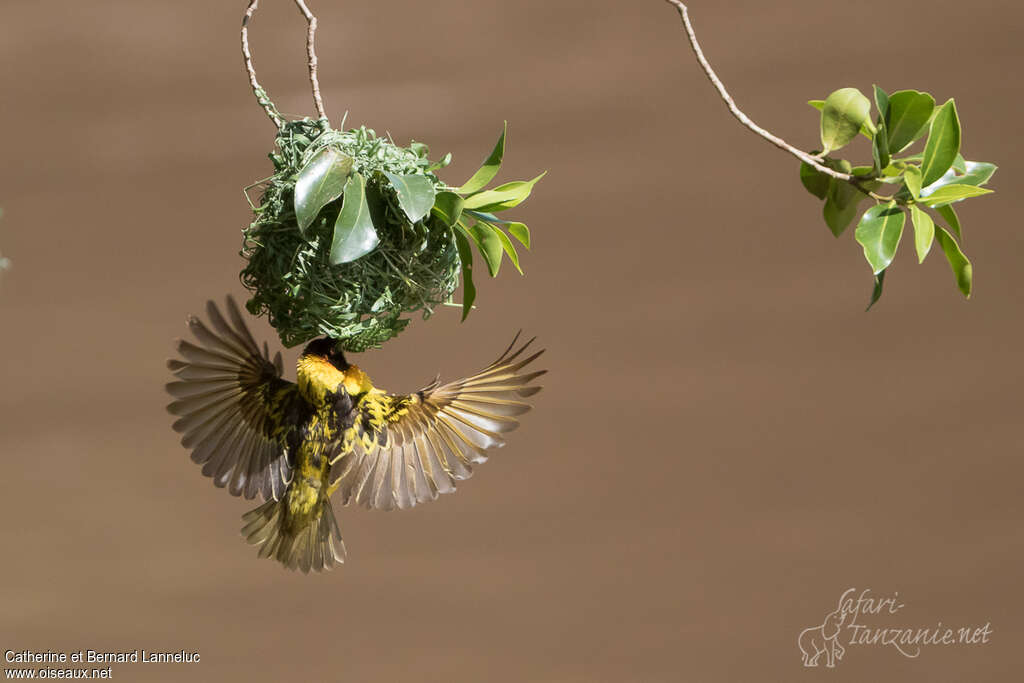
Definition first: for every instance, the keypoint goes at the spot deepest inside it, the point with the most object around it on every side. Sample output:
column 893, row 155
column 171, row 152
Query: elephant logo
column 823, row 640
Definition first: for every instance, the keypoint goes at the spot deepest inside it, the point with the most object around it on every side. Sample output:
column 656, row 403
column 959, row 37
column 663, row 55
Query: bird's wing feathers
column 405, row 450
column 232, row 405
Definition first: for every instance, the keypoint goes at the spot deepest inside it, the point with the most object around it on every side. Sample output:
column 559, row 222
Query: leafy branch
column 470, row 210
column 931, row 180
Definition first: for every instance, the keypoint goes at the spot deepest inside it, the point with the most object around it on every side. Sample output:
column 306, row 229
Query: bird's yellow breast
column 356, row 381
column 317, row 377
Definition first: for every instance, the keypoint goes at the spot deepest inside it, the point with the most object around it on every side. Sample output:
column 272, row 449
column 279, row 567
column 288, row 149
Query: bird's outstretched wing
column 405, row 450
column 233, row 406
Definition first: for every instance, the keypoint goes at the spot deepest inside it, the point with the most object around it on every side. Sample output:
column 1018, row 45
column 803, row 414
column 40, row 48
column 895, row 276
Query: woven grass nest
column 352, row 233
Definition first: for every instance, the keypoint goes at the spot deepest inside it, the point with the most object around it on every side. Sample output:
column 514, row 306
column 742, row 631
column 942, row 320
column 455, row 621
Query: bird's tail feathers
column 316, row 545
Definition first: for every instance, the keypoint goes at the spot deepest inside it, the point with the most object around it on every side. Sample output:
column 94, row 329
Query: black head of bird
column 329, row 350
column 323, row 373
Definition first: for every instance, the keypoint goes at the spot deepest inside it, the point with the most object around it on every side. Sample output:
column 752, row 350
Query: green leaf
column 489, row 245
column 509, row 248
column 448, row 207
column 489, row 169
column 466, row 259
column 912, row 179
column 880, row 147
column 354, row 234
column 951, row 219
column 864, row 130
column 894, row 168
column 841, row 165
column 876, row 293
column 814, row 181
column 320, row 182
column 962, row 269
column 520, row 232
column 441, row 163
column 924, row 231
column 960, row 164
column 415, row 194
column 502, row 197
column 841, row 206
column 975, row 173
column 879, row 232
column 953, row 193
column 880, row 143
column 909, row 112
column 943, row 143
column 881, row 102
column 844, row 113
column 485, row 216
column 495, row 224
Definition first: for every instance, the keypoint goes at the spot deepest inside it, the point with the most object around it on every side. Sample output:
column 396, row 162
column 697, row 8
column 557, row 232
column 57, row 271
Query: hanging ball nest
column 353, row 232
column 414, row 265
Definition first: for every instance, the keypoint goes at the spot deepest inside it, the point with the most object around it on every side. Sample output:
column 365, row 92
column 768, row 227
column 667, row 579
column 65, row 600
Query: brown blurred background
column 726, row 441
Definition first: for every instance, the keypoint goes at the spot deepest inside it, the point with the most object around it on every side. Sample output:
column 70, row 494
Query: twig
column 745, row 120
column 311, row 57
column 257, row 89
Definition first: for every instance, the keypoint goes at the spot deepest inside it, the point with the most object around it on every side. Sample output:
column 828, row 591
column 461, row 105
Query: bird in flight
column 295, row 443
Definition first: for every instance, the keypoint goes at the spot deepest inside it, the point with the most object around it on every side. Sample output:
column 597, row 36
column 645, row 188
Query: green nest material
column 353, row 232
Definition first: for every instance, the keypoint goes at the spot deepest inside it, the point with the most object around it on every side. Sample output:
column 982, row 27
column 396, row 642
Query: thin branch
column 311, row 57
column 257, row 89
column 745, row 120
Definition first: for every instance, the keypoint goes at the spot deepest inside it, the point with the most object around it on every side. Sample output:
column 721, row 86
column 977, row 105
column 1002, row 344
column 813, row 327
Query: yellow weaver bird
column 295, row 444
